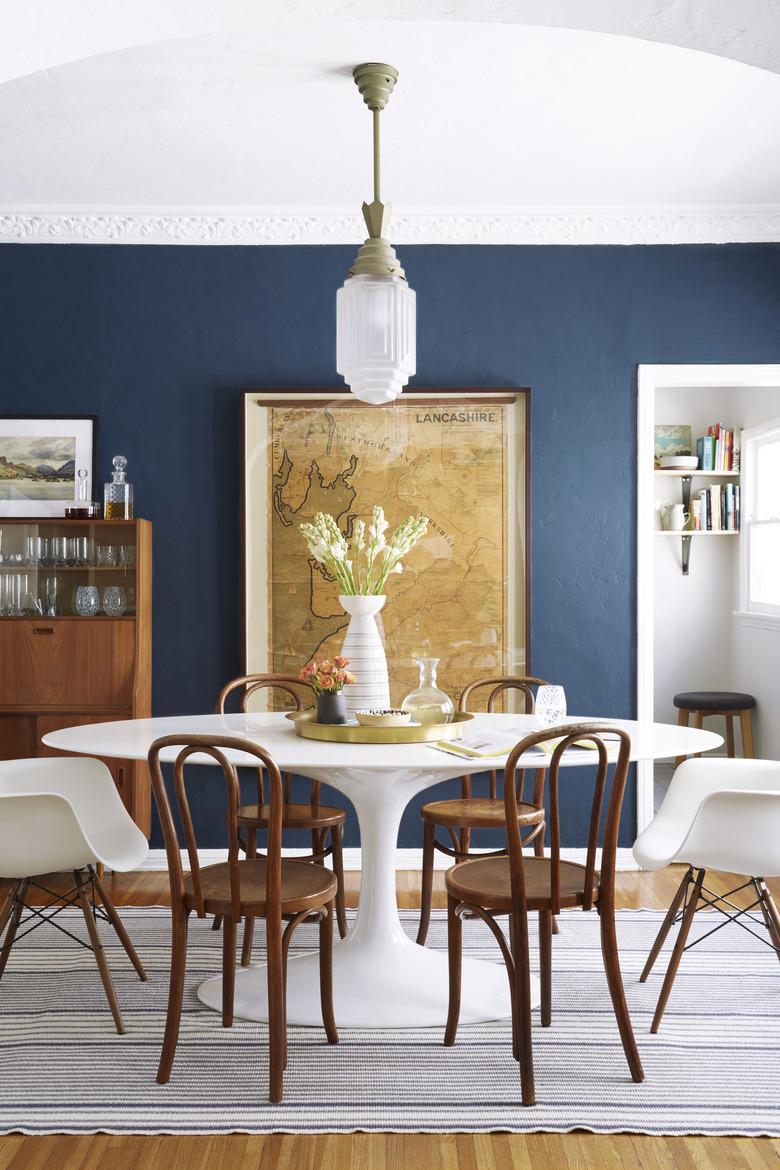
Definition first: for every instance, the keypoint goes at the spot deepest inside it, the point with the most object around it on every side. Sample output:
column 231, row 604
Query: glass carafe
column 118, row 495
column 428, row 703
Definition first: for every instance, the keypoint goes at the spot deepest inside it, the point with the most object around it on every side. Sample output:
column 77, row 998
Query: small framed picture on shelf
column 672, row 440
column 40, row 460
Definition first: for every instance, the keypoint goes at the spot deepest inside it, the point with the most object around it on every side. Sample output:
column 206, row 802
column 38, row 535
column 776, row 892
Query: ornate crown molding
column 537, row 226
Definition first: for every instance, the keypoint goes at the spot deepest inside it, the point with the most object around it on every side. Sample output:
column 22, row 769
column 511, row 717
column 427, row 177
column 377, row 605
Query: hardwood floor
column 578, row 1151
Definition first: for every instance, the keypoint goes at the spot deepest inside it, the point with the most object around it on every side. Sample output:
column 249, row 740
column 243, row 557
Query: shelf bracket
column 687, row 480
column 686, row 554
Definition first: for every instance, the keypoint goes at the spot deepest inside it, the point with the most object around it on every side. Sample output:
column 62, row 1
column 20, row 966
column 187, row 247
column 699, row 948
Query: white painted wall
column 756, row 652
column 698, row 642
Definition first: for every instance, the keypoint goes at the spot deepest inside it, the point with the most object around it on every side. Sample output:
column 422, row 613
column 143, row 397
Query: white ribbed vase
column 363, row 647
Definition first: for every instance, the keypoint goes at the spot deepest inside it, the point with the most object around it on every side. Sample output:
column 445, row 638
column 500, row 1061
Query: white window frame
column 753, row 613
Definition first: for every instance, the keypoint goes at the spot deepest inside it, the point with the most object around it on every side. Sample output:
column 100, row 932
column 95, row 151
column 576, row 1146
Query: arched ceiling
column 195, row 122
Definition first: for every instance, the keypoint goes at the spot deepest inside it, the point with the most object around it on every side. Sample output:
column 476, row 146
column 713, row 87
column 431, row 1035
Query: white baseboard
column 404, row 858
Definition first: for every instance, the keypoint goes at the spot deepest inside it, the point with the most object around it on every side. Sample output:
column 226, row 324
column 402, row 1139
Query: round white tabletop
column 381, row 978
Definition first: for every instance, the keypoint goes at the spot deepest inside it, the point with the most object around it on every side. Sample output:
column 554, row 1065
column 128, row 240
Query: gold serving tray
column 307, row 727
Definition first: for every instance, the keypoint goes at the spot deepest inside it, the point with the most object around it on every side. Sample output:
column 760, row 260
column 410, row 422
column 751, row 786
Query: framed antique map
column 459, row 457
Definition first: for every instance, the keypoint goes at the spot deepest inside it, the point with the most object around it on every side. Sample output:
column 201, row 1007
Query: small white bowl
column 383, row 718
column 679, row 462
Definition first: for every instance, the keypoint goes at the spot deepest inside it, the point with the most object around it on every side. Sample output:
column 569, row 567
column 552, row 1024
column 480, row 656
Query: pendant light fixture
column 376, row 311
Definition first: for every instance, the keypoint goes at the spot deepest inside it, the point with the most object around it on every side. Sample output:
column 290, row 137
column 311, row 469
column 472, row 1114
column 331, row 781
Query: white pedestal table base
column 408, row 989
column 381, row 979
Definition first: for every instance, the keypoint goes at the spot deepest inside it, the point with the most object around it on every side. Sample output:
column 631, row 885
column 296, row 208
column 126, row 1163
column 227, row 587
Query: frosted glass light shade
column 376, row 336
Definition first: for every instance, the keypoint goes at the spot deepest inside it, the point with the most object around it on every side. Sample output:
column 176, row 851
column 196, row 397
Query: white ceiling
column 496, row 131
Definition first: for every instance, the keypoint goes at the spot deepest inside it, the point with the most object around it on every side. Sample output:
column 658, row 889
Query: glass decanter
column 427, row 703
column 118, row 495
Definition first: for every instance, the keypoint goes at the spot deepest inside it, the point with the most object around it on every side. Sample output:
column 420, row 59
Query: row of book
column 716, row 508
column 719, row 449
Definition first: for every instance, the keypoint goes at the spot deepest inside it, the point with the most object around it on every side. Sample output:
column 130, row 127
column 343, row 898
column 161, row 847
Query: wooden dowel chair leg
column 180, row 925
column 771, row 915
column 666, row 925
column 677, row 953
column 513, row 989
column 228, row 970
column 119, row 927
column 539, row 840
column 217, row 923
column 100, row 956
column 730, row 752
column 454, row 947
column 522, row 977
column 337, row 845
column 682, row 721
column 8, row 905
column 277, row 1018
column 326, row 975
column 746, row 728
column 249, row 922
column 426, row 890
column 545, row 965
column 15, row 911
column 609, row 951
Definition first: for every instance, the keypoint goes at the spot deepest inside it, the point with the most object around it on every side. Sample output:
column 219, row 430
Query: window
column 760, row 575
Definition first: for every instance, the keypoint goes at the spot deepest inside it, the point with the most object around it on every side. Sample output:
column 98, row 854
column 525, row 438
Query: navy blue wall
column 158, row 340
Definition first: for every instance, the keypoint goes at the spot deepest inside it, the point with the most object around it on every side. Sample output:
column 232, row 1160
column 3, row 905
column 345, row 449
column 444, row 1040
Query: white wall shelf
column 677, row 474
column 699, row 532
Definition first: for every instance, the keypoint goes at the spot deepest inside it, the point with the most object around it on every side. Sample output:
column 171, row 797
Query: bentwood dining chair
column 459, row 817
column 719, row 815
column 494, row 887
column 65, row 814
column 323, row 821
column 263, row 887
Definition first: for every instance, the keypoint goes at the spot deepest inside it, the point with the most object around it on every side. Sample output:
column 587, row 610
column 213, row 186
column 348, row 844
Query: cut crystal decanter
column 118, row 495
column 428, row 703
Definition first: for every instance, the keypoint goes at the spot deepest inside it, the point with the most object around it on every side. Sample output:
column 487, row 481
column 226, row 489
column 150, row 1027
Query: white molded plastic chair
column 59, row 814
column 717, row 814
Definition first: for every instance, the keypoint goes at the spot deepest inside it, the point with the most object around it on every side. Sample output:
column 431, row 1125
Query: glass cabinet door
column 78, row 569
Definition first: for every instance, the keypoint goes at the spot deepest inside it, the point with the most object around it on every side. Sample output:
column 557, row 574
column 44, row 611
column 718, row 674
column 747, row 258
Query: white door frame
column 649, row 379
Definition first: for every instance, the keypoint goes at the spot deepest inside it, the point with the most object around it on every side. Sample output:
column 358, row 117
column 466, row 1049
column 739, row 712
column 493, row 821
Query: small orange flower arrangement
column 328, row 676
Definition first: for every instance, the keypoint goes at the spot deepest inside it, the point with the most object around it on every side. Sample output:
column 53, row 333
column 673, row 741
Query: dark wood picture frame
column 25, row 509
column 422, row 396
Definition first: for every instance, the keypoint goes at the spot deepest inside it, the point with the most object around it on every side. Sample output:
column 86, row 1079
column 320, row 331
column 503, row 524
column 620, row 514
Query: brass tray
column 307, row 727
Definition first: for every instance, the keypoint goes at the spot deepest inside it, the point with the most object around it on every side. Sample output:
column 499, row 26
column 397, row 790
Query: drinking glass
column 87, row 601
column 17, row 599
column 82, row 550
column 53, row 590
column 106, row 554
column 59, row 550
column 46, row 554
column 114, row 601
column 550, row 705
column 127, row 554
column 33, row 550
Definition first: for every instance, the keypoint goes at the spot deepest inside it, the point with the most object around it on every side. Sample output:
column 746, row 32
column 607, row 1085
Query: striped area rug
column 713, row 1069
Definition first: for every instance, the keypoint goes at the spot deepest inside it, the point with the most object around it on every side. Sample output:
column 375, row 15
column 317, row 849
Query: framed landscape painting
column 40, row 457
column 459, row 457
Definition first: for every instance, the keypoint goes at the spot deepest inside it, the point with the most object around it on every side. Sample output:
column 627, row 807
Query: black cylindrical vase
column 331, row 707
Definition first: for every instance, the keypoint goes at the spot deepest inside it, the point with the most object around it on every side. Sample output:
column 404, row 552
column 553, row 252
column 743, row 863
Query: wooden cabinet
column 60, row 669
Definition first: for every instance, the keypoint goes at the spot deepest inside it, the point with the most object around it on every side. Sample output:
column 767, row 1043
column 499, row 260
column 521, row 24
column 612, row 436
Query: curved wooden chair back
column 499, row 686
column 302, row 694
column 215, row 746
column 514, row 779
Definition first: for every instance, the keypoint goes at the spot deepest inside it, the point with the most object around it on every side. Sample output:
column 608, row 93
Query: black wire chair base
column 62, row 902
column 718, row 901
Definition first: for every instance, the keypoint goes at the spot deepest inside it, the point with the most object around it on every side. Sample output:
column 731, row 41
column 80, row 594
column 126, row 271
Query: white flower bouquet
column 363, row 568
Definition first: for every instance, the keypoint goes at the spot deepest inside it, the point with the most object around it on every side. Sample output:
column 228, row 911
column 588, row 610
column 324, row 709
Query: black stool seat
column 714, row 701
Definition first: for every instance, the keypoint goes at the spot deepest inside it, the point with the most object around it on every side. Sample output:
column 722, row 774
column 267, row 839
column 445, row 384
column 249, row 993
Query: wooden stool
column 726, row 703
